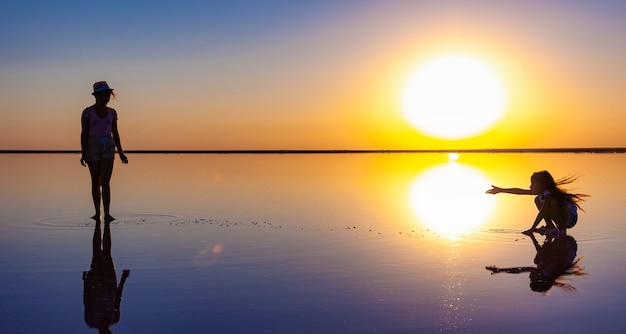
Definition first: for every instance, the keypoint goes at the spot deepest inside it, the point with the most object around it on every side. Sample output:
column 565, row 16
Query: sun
column 450, row 198
column 453, row 97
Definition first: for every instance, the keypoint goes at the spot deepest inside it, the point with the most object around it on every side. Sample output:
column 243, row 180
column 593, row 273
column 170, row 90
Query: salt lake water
column 312, row 243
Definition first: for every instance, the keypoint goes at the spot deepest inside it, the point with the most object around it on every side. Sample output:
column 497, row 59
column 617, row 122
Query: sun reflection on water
column 449, row 198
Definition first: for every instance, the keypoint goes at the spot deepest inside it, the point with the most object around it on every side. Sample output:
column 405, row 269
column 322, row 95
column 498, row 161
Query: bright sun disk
column 453, row 97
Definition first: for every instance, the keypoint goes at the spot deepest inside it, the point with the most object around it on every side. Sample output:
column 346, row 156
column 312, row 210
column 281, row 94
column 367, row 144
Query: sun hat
column 100, row 86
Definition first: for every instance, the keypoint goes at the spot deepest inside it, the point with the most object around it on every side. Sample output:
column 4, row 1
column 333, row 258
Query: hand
column 494, row 190
column 82, row 161
column 124, row 158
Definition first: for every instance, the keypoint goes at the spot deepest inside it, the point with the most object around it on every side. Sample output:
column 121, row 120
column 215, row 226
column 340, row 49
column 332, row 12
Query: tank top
column 571, row 206
column 100, row 127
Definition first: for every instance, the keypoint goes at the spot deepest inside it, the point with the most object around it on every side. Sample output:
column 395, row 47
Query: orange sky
column 296, row 76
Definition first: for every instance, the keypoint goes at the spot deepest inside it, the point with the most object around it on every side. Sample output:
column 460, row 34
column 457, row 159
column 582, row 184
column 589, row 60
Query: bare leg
column 94, row 171
column 558, row 215
column 106, row 167
column 548, row 220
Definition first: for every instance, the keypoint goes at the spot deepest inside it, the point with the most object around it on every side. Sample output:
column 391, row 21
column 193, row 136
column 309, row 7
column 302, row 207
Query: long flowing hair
column 545, row 180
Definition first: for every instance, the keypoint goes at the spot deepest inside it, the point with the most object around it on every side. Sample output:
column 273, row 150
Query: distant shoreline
column 490, row 150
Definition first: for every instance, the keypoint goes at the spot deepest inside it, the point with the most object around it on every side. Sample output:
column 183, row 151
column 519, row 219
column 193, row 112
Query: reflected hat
column 101, row 86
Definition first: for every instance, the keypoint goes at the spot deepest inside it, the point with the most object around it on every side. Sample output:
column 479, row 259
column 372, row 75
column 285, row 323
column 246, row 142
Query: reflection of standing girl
column 99, row 138
column 555, row 205
column 101, row 293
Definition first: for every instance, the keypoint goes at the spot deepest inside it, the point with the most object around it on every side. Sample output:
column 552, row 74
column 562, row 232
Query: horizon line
column 346, row 151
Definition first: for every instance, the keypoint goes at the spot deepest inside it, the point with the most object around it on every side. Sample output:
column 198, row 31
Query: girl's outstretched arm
column 516, row 191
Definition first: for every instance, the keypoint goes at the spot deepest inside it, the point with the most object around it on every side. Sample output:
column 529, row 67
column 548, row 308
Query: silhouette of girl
column 98, row 139
column 556, row 206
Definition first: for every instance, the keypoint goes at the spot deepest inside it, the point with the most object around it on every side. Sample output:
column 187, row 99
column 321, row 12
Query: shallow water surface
column 337, row 243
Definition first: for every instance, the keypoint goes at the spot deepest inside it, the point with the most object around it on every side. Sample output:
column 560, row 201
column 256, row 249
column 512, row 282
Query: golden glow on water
column 450, row 198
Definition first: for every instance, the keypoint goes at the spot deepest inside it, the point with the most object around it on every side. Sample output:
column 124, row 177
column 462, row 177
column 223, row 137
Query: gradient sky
column 305, row 74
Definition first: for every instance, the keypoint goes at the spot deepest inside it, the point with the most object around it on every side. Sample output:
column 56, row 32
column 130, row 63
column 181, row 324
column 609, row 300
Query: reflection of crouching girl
column 557, row 207
column 555, row 259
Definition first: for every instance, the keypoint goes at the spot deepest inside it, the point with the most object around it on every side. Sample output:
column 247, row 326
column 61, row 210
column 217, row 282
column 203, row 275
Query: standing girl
column 98, row 139
column 556, row 206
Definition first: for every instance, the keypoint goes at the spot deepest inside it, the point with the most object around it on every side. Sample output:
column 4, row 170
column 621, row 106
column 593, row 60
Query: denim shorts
column 572, row 218
column 100, row 148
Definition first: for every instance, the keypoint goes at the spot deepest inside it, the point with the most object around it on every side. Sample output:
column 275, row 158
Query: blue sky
column 58, row 31
column 304, row 74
